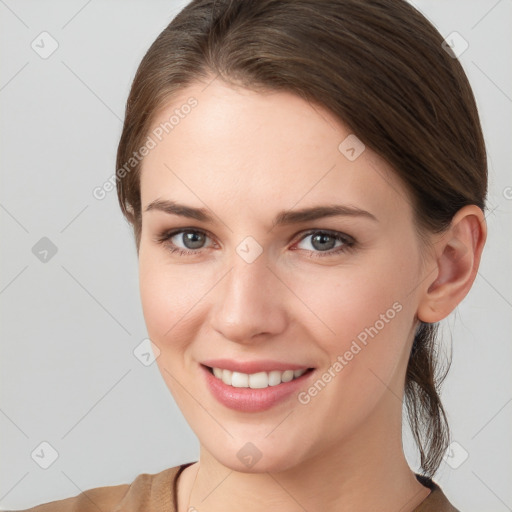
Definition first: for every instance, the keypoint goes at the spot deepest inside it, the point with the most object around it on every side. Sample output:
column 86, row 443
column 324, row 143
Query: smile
column 258, row 391
column 258, row 380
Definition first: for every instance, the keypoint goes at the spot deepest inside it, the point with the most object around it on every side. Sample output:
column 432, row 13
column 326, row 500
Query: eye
column 189, row 242
column 183, row 241
column 326, row 243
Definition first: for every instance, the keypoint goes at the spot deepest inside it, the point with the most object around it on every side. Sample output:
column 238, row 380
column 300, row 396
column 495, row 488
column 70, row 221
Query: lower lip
column 252, row 400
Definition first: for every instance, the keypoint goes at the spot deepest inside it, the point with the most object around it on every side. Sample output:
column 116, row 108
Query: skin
column 245, row 156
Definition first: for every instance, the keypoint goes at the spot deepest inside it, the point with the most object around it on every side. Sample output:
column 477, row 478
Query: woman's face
column 256, row 278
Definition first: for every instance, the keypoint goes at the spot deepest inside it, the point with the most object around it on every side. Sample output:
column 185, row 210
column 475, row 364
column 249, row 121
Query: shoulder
column 436, row 501
column 146, row 490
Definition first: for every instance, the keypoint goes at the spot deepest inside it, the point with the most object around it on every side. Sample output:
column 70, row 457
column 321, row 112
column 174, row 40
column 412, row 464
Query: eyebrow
column 283, row 218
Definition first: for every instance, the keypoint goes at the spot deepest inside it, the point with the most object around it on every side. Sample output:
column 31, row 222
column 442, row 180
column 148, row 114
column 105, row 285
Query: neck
column 367, row 470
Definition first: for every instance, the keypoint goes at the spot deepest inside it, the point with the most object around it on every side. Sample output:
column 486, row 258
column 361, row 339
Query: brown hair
column 379, row 67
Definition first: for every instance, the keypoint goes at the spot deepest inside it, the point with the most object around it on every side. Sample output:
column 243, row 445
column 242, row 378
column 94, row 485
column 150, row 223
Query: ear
column 457, row 257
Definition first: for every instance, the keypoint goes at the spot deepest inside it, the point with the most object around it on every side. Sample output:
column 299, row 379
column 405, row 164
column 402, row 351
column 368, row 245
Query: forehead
column 257, row 150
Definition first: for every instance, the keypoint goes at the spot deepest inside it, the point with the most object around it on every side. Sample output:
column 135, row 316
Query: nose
column 249, row 302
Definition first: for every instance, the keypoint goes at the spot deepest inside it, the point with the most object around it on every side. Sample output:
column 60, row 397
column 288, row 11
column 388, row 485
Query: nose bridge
column 248, row 300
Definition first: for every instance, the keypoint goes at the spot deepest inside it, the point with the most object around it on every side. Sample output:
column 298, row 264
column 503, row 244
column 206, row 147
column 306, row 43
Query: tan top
column 158, row 492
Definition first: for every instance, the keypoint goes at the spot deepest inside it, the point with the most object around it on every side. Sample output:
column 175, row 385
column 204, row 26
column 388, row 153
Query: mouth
column 258, row 380
column 258, row 391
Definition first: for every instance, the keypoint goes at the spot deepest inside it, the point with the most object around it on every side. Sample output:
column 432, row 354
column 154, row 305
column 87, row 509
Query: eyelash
column 349, row 243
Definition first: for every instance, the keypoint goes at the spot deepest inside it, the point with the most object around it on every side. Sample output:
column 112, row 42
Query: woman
column 306, row 181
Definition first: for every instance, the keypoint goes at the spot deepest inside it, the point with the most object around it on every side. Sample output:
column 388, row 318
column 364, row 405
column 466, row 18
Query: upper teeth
column 256, row 380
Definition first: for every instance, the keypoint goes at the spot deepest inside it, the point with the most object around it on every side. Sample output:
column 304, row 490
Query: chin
column 249, row 459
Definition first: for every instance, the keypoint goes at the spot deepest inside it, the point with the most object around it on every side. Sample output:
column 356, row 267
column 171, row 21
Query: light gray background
column 69, row 326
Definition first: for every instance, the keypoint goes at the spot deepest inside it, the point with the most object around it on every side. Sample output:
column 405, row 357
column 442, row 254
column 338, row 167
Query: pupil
column 193, row 240
column 323, row 238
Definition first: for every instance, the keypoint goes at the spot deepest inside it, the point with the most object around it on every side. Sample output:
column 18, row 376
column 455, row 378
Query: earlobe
column 457, row 258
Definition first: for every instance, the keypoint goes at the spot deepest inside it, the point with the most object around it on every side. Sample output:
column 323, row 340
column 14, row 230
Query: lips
column 247, row 399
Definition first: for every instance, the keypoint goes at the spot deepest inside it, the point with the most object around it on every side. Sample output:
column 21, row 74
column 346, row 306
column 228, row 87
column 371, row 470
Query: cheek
column 371, row 320
column 348, row 300
column 363, row 314
column 170, row 295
